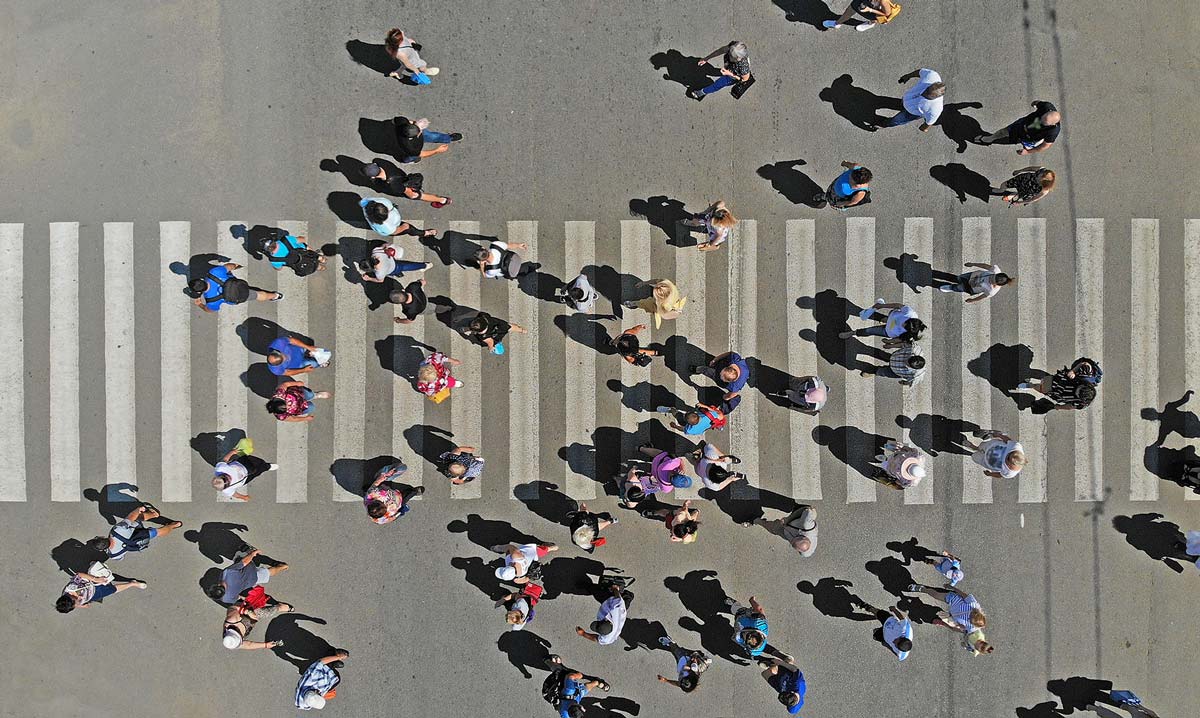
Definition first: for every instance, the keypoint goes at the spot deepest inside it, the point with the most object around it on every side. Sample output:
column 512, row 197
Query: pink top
column 437, row 360
column 390, row 498
column 662, row 468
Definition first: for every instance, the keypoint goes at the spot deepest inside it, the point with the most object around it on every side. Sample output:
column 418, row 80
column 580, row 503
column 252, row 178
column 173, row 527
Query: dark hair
column 860, row 175
column 1085, row 393
column 1001, row 278
column 575, row 711
column 100, row 543
column 692, row 418
column 789, row 699
column 688, row 682
column 576, row 294
column 392, row 42
column 916, row 361
column 753, row 639
column 276, row 405
column 902, row 644
column 478, row 324
column 377, row 212
column 685, row 528
column 627, row 344
column 482, row 254
column 64, row 604
column 376, row 509
column 215, row 591
column 914, row 327
column 198, row 286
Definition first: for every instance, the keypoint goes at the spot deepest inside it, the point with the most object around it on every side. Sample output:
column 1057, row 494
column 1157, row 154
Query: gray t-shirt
column 802, row 523
column 238, row 578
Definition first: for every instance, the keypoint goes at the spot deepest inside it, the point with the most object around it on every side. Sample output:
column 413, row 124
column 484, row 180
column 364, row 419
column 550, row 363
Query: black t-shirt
column 397, row 182
column 1047, row 134
column 414, row 308
column 409, row 146
column 495, row 330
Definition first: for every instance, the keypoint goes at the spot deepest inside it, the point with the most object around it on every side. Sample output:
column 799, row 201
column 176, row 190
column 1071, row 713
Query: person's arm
column 1040, row 148
column 232, row 266
column 289, row 384
column 950, row 556
column 898, row 613
column 518, row 245
column 584, row 634
column 465, row 450
column 135, row 514
column 634, row 329
column 909, row 76
column 89, row 577
column 716, row 359
column 976, row 298
column 232, row 453
column 756, row 606
column 256, row 645
column 730, row 396
column 850, row 165
column 1030, row 168
column 888, row 305
column 1066, row 407
column 339, row 656
column 203, row 304
column 858, row 196
column 301, row 370
column 978, row 265
column 297, row 418
column 297, row 343
column 713, row 54
column 664, row 679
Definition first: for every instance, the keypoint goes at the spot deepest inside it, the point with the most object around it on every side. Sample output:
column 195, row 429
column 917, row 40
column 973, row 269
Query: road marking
column 580, row 364
column 12, row 369
column 1191, row 317
column 690, row 275
column 524, row 374
column 635, row 257
column 800, row 240
column 1143, row 351
column 120, row 360
column 175, row 349
column 64, row 363
column 291, row 438
column 1031, row 323
column 349, row 404
column 1089, row 342
column 976, row 334
column 743, row 339
column 860, row 392
column 408, row 404
column 918, row 240
column 232, row 355
column 466, row 411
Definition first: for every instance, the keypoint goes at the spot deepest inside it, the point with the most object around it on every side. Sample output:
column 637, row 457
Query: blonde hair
column 978, row 619
column 723, row 218
column 426, row 373
column 514, row 617
column 1047, row 180
column 1016, row 458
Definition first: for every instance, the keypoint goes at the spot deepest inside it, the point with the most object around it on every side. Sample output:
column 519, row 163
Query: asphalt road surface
column 137, row 136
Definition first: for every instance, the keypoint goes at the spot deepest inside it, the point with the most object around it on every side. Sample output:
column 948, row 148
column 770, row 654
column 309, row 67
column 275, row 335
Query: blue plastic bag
column 422, row 79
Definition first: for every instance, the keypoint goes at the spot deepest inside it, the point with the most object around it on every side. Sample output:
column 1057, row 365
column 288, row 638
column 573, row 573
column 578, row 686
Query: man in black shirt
column 401, row 183
column 412, row 135
column 412, row 301
column 1035, row 132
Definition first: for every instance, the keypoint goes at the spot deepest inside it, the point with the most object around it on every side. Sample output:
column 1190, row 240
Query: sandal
column 439, row 205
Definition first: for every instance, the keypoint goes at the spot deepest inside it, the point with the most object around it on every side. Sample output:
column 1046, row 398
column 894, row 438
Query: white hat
column 232, row 639
column 506, row 573
column 918, row 472
column 313, row 699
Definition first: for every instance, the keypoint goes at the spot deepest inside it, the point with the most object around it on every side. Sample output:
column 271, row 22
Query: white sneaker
column 431, row 71
column 863, row 27
column 273, row 467
column 945, row 288
column 831, row 24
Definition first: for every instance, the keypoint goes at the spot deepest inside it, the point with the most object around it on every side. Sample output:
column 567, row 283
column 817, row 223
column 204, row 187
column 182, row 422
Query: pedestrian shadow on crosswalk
column 480, row 574
column 379, row 136
column 832, row 597
column 584, row 329
column 1160, row 540
column 72, row 556
column 524, row 649
column 646, row 396
column 701, row 594
column 795, row 186
column 401, row 355
column 487, row 533
column 371, row 55
column 664, row 213
column 300, row 646
column 574, row 576
column 544, row 499
column 858, row 105
column 345, row 206
column 353, row 475
column 851, row 446
column 912, row 272
column 831, row 312
column 212, row 445
column 114, row 501
column 809, row 12
column 1004, row 366
column 680, row 356
column 615, row 286
column 457, row 248
column 353, row 251
column 963, row 181
column 936, row 434
column 959, row 127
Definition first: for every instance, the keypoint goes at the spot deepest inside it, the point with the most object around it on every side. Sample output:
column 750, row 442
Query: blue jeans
column 439, row 138
column 717, row 84
column 902, row 118
column 403, row 266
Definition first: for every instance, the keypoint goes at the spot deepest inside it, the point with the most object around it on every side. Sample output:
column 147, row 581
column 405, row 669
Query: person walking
column 244, row 615
column 409, row 185
column 664, row 302
column 293, row 401
column 666, row 471
column 689, row 665
column 730, row 372
column 412, row 301
column 906, row 364
column 565, row 688
column 384, row 218
column 86, row 588
column 519, row 605
column 237, row 469
column 1068, row 389
column 1026, row 186
column 873, row 12
column 412, row 136
column 1001, row 456
column 499, row 260
column 610, row 619
column 716, row 221
column 948, row 565
column 852, row 187
column 131, row 535
column 698, row 420
column 983, row 283
column 386, row 500
column 630, row 349
column 579, row 295
column 1035, row 132
column 289, row 356
column 243, row 574
column 586, row 526
column 896, row 632
column 460, row 465
column 404, row 50
column 219, row 287
column 899, row 324
column 387, row 261
column 318, row 683
column 490, row 331
column 963, row 614
column 519, row 560
column 799, row 528
column 750, row 629
column 714, row 468
column 785, row 677
column 636, row 485
column 434, row 379
column 284, row 250
column 808, row 394
column 922, row 101
column 683, row 522
column 736, row 70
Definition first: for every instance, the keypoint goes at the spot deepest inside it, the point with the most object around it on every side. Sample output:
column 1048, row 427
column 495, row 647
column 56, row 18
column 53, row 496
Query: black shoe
column 455, row 136
column 337, row 664
column 695, row 95
column 419, row 490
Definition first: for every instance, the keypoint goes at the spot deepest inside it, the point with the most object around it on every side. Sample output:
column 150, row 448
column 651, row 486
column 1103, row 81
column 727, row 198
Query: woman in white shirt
column 1001, row 456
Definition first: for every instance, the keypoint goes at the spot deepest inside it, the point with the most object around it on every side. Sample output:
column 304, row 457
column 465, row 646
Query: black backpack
column 233, row 290
column 622, row 582
column 552, row 686
column 301, row 260
column 509, row 264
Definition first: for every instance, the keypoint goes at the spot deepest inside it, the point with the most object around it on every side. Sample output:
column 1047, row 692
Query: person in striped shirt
column 963, row 614
column 1067, row 389
column 906, row 364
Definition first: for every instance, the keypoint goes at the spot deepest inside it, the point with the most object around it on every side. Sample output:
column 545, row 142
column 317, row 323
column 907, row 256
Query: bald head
column 1053, row 117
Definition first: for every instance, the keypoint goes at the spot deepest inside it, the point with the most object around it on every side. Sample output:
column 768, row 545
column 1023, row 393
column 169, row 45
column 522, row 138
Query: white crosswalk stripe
column 859, row 401
column 690, row 278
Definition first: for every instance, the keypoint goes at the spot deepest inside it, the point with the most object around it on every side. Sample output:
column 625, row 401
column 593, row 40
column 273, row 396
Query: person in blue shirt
column 383, row 217
column 572, row 689
column 897, row 631
column 210, row 294
column 278, row 249
column 699, row 420
column 289, row 356
column 730, row 372
column 787, row 680
column 851, row 188
column 749, row 626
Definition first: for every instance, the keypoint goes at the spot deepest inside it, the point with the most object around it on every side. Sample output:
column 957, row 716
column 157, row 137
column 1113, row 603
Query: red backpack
column 715, row 416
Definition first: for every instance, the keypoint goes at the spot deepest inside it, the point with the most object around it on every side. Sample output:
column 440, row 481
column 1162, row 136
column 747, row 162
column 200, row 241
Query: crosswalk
column 779, row 448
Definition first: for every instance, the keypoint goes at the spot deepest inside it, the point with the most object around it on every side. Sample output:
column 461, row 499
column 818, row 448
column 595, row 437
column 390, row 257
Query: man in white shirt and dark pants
column 923, row 101
column 610, row 619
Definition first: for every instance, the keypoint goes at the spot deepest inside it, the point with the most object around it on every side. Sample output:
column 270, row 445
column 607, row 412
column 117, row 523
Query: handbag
column 896, row 7
column 740, row 88
column 441, row 396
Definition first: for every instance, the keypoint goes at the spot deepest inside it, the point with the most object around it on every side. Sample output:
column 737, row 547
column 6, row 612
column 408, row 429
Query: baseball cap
column 681, row 481
column 232, row 639
column 603, row 627
column 506, row 573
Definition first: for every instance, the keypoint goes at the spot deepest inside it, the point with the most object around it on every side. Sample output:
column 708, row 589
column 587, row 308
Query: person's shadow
column 72, row 556
column 851, row 446
column 457, row 248
column 257, row 334
column 642, row 633
column 964, row 181
column 771, row 382
column 351, row 170
column 481, row 575
column 1172, row 420
column 832, row 598
column 217, row 540
column 809, row 12
column 353, row 475
column 795, row 186
column 371, row 55
column 909, row 271
column 401, row 355
column 858, row 105
column 1045, row 709
column 683, row 69
column 379, row 136
column 960, row 128
column 664, row 213
column 1169, row 464
column 701, row 593
column 1160, row 540
column 1078, row 692
column 571, row 575
column 584, row 329
column 645, row 396
column 610, row 707
column 831, row 313
column 544, row 499
column 354, row 251
column 114, row 501
column 300, row 646
column 525, row 649
column 455, row 316
column 935, row 434
column 892, row 574
column 344, row 206
column 679, row 355
column 614, row 286
column 912, row 550
column 1004, row 366
column 487, row 533
column 428, row 441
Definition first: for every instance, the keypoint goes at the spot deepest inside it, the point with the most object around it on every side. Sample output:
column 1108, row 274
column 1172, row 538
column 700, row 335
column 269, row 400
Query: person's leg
column 720, row 83
column 255, row 466
column 407, row 496
column 262, row 295
column 404, row 265
column 119, row 586
column 842, row 19
column 875, row 331
column 649, row 451
column 440, row 138
column 903, row 117
column 433, row 198
column 935, row 593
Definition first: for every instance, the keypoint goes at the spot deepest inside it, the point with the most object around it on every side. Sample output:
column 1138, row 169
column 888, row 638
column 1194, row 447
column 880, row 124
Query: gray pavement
column 208, row 113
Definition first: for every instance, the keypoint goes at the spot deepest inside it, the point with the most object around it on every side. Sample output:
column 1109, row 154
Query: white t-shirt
column 386, row 264
column 983, row 282
column 495, row 254
column 710, row 457
column 896, row 320
column 893, row 629
column 916, row 103
column 528, row 554
column 993, row 452
column 523, row 606
column 612, row 610
column 237, row 476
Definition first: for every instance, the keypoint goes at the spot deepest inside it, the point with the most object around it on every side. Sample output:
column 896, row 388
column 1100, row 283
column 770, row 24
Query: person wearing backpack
column 579, row 294
column 629, row 349
column 131, row 535
column 319, row 681
column 219, row 287
column 288, row 251
column 610, row 619
column 500, row 260
column 565, row 688
column 750, row 628
column 586, row 527
column 714, row 468
column 702, row 418
column 293, row 401
column 288, row 356
column 689, row 665
column 399, row 182
column 519, row 605
column 387, row 261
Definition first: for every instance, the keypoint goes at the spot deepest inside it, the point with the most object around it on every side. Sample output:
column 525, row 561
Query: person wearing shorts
column 689, row 665
column 131, row 535
column 85, row 589
column 897, row 324
column 519, row 559
column 294, row 402
column 1001, row 456
column 242, row 575
column 1035, row 132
